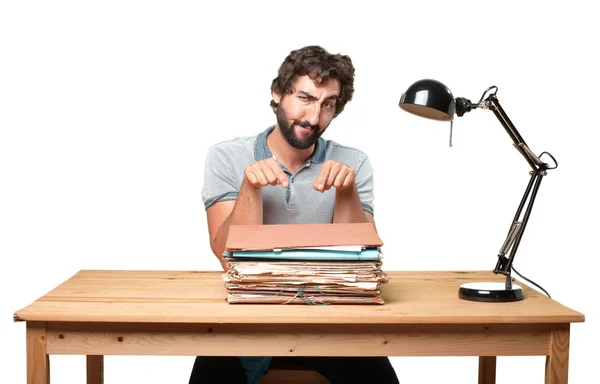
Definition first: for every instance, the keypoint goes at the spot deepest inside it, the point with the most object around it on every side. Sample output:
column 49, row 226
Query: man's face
column 304, row 114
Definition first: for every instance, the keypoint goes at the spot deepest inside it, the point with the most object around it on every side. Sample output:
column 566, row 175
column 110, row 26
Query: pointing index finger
column 319, row 183
column 279, row 174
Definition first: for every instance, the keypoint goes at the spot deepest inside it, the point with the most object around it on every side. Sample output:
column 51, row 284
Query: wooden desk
column 97, row 313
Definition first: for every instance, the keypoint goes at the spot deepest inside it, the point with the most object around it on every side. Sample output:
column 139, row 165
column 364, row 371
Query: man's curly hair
column 319, row 65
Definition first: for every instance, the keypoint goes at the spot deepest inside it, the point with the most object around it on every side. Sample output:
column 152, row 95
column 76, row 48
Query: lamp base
column 490, row 292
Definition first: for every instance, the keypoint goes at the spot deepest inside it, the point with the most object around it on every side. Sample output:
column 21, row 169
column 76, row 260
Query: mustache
column 306, row 124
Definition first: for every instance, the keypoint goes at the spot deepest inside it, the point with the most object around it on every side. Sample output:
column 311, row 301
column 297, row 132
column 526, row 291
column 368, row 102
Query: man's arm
column 247, row 209
column 348, row 208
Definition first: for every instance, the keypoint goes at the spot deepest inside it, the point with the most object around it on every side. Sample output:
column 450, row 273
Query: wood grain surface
column 411, row 297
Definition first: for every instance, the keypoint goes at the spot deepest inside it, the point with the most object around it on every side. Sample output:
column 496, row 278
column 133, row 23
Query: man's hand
column 265, row 172
column 247, row 209
column 334, row 174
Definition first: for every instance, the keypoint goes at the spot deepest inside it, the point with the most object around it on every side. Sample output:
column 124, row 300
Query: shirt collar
column 262, row 151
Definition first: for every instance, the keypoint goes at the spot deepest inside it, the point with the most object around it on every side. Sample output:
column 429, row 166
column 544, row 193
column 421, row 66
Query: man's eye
column 329, row 105
column 303, row 98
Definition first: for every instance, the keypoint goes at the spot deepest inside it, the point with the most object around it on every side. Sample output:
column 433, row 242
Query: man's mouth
column 307, row 127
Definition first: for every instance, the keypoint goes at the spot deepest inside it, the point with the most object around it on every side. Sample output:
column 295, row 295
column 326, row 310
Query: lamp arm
column 534, row 161
column 517, row 228
column 538, row 171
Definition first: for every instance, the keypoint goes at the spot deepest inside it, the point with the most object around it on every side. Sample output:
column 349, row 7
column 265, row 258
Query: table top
column 186, row 297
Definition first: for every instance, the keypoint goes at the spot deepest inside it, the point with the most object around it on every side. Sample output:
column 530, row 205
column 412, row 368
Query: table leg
column 487, row 369
column 95, row 369
column 38, row 362
column 557, row 363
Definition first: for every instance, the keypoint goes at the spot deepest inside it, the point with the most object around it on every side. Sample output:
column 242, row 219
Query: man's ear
column 276, row 96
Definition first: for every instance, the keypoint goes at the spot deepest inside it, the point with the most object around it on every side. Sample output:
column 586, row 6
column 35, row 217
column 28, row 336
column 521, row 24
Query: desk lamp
column 433, row 100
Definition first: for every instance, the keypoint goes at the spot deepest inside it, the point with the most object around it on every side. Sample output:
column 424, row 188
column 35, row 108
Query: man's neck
column 292, row 158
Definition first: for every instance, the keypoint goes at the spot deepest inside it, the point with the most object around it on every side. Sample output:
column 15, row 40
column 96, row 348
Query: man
column 289, row 174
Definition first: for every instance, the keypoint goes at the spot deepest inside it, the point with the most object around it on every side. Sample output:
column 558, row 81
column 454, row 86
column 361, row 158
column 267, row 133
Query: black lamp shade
column 429, row 98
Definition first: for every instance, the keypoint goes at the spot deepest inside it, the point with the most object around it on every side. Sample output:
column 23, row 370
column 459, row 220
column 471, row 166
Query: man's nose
column 314, row 114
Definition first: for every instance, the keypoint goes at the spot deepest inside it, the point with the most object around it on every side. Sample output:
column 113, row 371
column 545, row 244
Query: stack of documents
column 304, row 264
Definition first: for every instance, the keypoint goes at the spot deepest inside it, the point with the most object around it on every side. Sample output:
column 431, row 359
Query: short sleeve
column 365, row 185
column 219, row 182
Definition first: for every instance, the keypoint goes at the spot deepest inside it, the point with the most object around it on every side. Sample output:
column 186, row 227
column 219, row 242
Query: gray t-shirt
column 300, row 203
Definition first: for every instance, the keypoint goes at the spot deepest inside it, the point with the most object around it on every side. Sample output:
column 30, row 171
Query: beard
column 289, row 133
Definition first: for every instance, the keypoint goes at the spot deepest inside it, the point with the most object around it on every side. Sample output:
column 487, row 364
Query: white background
column 107, row 110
